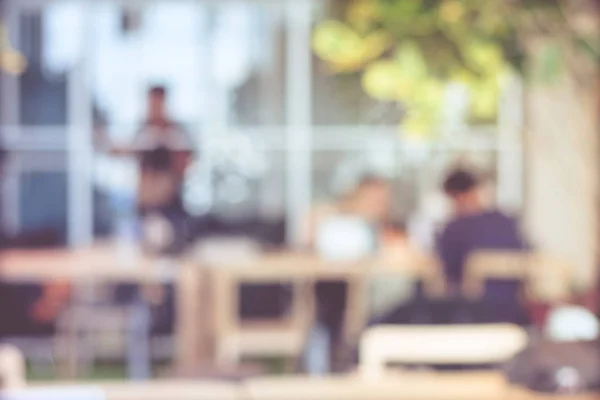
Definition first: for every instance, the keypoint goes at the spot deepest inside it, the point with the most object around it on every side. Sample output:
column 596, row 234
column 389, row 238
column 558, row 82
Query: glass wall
column 273, row 131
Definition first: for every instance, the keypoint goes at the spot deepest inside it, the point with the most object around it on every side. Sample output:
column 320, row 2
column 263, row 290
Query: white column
column 80, row 150
column 562, row 173
column 299, row 118
column 510, row 147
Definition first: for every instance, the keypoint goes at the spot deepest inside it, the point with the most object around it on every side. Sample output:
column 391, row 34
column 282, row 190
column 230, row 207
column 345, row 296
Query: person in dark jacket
column 476, row 227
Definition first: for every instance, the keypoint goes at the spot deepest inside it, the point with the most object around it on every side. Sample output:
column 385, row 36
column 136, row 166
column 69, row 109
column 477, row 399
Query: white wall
column 563, row 172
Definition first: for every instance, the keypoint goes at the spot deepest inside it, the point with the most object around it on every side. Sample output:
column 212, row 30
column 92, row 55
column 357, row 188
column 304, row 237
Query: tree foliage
column 407, row 50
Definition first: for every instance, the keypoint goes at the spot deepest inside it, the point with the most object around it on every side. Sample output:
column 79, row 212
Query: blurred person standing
column 170, row 154
column 163, row 151
column 158, row 135
column 473, row 227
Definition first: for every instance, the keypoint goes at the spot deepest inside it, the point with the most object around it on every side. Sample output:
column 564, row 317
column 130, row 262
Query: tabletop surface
column 106, row 261
column 294, row 264
column 100, row 262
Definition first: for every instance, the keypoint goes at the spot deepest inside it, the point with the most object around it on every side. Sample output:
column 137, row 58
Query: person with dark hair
column 159, row 140
column 352, row 227
column 163, row 151
column 369, row 200
column 477, row 227
column 165, row 139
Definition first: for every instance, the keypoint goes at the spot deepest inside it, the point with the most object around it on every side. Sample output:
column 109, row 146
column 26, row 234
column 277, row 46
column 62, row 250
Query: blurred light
column 381, row 158
column 346, row 175
column 571, row 324
column 158, row 233
column 344, row 238
column 234, row 190
column 63, row 33
column 116, row 174
column 124, row 65
column 232, row 58
column 415, row 150
column 171, row 54
column 456, row 105
column 197, row 190
column 238, row 154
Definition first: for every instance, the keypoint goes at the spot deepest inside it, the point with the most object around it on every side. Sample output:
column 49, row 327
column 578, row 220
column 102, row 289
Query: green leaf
column 411, row 59
column 549, row 64
column 588, row 47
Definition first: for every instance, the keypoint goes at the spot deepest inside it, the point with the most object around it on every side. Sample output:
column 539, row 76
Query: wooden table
column 303, row 271
column 98, row 264
column 106, row 264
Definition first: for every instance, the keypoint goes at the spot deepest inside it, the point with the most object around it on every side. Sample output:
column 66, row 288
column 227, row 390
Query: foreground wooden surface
column 414, row 386
column 400, row 386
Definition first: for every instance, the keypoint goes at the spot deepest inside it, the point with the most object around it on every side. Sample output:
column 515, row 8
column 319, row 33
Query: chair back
column 439, row 345
column 482, row 266
column 545, row 278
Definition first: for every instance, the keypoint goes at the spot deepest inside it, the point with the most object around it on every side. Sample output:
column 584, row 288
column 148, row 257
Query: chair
column 546, row 278
column 439, row 345
column 12, row 368
column 279, row 336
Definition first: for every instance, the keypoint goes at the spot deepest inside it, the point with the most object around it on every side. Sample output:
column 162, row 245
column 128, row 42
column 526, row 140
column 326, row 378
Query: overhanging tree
column 408, row 50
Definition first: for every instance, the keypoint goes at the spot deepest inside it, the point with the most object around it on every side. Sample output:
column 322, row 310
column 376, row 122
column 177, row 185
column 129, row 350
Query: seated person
column 389, row 295
column 476, row 227
column 30, row 309
column 367, row 206
column 368, row 201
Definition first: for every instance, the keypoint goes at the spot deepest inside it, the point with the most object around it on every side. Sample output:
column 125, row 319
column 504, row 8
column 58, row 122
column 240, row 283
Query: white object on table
column 571, row 324
column 476, row 344
column 344, row 238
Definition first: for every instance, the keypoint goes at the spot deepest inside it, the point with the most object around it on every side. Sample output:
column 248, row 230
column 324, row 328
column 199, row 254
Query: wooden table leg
column 357, row 311
column 189, row 325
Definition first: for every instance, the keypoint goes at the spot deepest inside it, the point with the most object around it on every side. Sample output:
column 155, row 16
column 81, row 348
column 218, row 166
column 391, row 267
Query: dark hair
column 157, row 90
column 158, row 159
column 395, row 224
column 460, row 181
